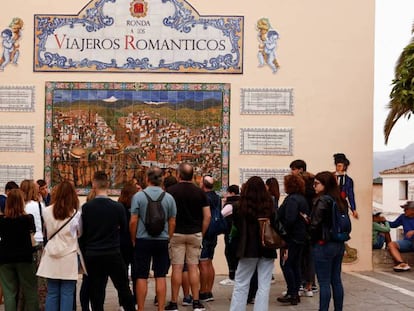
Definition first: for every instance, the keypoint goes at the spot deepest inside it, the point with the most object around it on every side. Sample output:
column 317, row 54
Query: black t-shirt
column 190, row 201
column 102, row 220
column 15, row 241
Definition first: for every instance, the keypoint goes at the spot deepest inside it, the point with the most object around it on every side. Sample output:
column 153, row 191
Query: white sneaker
column 306, row 293
column 227, row 282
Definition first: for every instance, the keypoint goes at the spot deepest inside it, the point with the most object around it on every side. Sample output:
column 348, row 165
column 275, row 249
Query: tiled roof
column 403, row 169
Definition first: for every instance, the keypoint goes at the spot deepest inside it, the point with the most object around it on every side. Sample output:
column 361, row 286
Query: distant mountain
column 122, row 103
column 384, row 160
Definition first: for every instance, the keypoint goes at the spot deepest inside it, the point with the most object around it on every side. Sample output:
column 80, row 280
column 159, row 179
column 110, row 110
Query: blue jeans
column 328, row 265
column 60, row 295
column 379, row 244
column 244, row 272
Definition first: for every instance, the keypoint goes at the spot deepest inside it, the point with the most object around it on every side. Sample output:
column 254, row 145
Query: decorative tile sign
column 17, row 138
column 267, row 141
column 124, row 128
column 17, row 98
column 15, row 173
column 139, row 36
column 266, row 101
column 11, row 43
column 246, row 173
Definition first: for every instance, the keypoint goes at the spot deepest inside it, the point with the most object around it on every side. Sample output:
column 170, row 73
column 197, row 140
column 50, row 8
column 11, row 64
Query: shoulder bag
column 268, row 236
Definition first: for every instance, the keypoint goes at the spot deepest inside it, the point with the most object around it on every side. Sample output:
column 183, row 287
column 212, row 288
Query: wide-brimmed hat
column 376, row 211
column 408, row 204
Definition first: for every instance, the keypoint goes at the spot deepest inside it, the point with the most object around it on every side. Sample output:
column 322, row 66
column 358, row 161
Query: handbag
column 268, row 236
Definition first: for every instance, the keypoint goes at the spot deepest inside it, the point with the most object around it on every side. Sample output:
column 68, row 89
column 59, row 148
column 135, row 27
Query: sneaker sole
column 401, row 270
column 207, row 299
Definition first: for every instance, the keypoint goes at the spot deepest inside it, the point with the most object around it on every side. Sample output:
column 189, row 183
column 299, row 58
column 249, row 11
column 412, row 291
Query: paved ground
column 380, row 290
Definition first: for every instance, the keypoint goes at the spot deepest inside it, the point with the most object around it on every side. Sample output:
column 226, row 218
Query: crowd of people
column 48, row 239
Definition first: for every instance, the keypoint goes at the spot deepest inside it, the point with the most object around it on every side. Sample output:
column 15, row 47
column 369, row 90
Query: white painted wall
column 326, row 54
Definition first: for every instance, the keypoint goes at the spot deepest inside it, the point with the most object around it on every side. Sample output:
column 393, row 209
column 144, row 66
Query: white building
column 397, row 188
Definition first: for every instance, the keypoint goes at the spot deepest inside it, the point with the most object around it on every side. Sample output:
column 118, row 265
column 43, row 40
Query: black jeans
column 100, row 267
column 291, row 268
column 230, row 251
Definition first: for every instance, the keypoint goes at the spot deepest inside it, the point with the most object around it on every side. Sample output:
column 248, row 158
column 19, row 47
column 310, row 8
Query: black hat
column 340, row 158
column 408, row 204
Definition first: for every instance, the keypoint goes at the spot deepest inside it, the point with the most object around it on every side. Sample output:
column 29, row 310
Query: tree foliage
column 402, row 94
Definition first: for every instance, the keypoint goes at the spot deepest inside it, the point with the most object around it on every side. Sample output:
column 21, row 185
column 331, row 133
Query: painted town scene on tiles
column 124, row 128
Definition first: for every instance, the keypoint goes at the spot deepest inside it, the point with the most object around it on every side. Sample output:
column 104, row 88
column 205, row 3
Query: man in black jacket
column 103, row 219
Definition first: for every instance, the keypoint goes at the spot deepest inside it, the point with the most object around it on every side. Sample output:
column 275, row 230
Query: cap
column 376, row 211
column 408, row 204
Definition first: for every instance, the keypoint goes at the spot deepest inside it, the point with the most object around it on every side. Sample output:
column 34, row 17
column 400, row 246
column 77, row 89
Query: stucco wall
column 326, row 54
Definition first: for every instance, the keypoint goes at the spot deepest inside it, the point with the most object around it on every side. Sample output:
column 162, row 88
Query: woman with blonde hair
column 33, row 206
column 17, row 269
column 59, row 264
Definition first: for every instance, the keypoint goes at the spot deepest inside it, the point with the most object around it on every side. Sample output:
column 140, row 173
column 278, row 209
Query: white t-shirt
column 227, row 210
column 32, row 207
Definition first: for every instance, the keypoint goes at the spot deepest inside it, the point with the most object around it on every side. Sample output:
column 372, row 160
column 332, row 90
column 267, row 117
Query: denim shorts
column 208, row 247
column 405, row 246
column 380, row 242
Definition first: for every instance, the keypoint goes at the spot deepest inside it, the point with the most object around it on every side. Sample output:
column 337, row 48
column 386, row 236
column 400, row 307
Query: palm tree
column 402, row 93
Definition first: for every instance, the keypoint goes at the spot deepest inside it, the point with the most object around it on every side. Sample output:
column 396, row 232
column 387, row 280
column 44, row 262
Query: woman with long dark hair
column 255, row 202
column 59, row 263
column 16, row 253
column 328, row 254
column 272, row 186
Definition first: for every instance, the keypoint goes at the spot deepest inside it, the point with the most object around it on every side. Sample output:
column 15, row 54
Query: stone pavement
column 379, row 290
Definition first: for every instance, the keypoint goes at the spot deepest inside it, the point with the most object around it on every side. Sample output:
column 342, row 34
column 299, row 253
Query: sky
column 394, row 20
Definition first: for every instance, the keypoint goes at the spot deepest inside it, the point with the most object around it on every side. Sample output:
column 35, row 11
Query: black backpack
column 154, row 216
column 218, row 224
column 341, row 223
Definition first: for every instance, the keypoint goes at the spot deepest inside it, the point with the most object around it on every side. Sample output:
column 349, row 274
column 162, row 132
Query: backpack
column 154, row 216
column 218, row 225
column 341, row 224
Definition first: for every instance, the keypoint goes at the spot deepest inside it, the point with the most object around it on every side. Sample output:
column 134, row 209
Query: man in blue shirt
column 406, row 220
column 149, row 247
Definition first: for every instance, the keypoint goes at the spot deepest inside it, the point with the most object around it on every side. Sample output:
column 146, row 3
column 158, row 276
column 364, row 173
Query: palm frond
column 402, row 94
column 396, row 112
